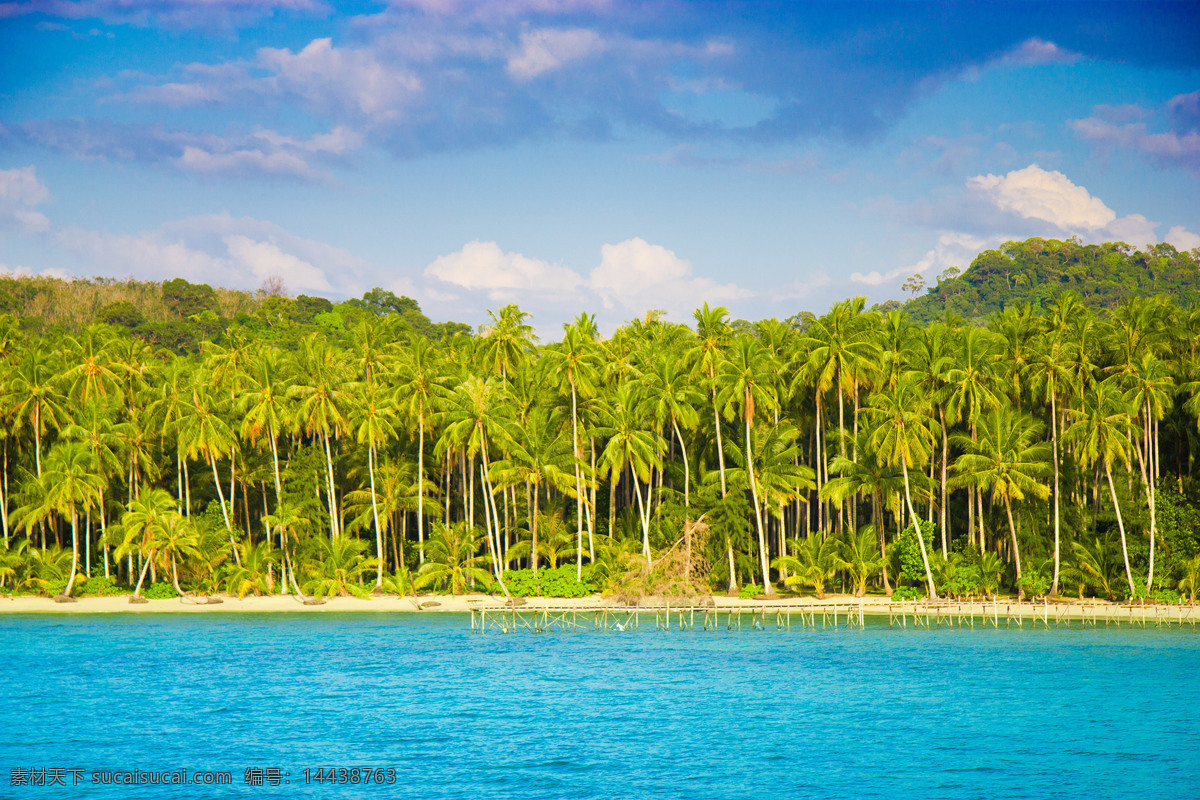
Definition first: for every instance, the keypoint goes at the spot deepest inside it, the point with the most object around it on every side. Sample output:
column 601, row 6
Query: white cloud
column 195, row 159
column 951, row 250
column 265, row 259
column 1039, row 51
column 1133, row 229
column 26, row 272
column 220, row 250
column 1181, row 238
column 548, row 49
column 20, row 191
column 1035, row 193
column 483, row 265
column 332, row 78
column 637, row 276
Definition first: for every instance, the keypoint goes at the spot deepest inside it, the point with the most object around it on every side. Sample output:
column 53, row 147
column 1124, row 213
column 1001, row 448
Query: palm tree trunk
column 1054, row 449
column 1012, row 528
column 175, row 576
column 74, row 551
column 762, row 541
column 942, row 510
column 334, row 530
column 917, row 526
column 421, row 485
column 137, row 590
column 717, row 427
column 221, row 497
column 877, row 518
column 375, row 514
column 643, row 517
column 575, row 457
column 686, row 468
column 1120, row 526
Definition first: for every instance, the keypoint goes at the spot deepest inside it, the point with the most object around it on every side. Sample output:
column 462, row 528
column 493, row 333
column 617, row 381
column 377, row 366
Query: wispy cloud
column 1178, row 147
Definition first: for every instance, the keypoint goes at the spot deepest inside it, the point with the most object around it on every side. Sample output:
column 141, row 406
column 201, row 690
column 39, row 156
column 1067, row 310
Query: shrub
column 903, row 593
column 100, row 586
column 750, row 590
column 159, row 591
column 558, row 582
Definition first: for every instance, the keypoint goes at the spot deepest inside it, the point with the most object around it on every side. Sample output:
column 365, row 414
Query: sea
column 141, row 707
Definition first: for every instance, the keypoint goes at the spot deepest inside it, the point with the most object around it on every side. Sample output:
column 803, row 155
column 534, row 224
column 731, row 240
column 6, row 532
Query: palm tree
column 40, row 403
column 538, row 456
column 204, row 433
column 1150, row 388
column 421, row 392
column 1099, row 431
column 374, row 417
column 144, row 526
column 1007, row 458
column 629, row 445
column 452, row 559
column 507, row 340
column 264, row 407
column 861, row 557
column 817, row 559
column 901, row 436
column 1049, row 375
column 70, row 485
column 746, row 381
column 576, row 362
column 320, row 411
column 713, row 334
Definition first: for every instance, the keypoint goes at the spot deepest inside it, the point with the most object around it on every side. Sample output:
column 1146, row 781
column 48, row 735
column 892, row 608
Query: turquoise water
column 800, row 714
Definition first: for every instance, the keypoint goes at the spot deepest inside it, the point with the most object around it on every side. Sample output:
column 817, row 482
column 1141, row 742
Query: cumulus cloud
column 483, row 265
column 26, row 272
column 218, row 249
column 1047, row 195
column 1181, row 238
column 20, row 192
column 635, row 276
column 341, row 79
column 951, row 250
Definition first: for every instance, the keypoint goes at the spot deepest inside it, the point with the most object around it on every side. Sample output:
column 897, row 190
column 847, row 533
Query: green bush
column 100, row 586
column 159, row 591
column 903, row 593
column 1168, row 596
column 750, row 590
column 558, row 582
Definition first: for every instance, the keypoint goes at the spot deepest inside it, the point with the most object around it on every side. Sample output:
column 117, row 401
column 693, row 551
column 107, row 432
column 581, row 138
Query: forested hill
column 179, row 316
column 1036, row 270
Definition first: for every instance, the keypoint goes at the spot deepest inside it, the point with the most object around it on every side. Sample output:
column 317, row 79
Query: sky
column 592, row 156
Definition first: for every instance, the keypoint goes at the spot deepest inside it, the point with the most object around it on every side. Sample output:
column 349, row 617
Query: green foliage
column 160, row 590
column 558, row 582
column 906, row 593
column 1037, row 270
column 912, row 568
column 99, row 586
column 750, row 590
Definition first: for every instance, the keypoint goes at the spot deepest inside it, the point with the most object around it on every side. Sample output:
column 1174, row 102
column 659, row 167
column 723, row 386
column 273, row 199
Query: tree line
column 1046, row 452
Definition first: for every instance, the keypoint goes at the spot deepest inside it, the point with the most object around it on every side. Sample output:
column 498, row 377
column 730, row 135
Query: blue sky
column 587, row 155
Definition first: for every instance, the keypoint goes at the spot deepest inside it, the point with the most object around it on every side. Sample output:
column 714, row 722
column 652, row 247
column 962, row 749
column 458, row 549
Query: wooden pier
column 601, row 618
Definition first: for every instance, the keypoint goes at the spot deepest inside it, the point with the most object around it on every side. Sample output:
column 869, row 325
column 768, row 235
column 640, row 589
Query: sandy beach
column 870, row 605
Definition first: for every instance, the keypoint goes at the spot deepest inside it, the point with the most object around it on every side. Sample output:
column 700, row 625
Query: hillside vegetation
column 1038, row 270
column 179, row 316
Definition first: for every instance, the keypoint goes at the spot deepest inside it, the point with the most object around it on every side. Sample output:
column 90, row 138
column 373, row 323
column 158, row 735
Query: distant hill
column 180, row 316
column 1037, row 270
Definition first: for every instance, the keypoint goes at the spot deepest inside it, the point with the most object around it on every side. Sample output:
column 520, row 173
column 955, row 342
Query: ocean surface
column 431, row 710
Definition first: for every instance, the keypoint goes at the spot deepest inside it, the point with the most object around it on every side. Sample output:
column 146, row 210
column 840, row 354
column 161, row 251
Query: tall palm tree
column 204, row 433
column 70, row 486
column 421, row 392
column 576, row 362
column 1049, row 376
column 1099, row 431
column 712, row 334
column 374, row 416
column 746, row 380
column 318, row 390
column 902, row 436
column 630, row 445
column 1008, row 458
column 40, row 402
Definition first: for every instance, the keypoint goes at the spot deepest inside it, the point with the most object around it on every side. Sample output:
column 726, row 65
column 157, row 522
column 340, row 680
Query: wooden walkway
column 833, row 616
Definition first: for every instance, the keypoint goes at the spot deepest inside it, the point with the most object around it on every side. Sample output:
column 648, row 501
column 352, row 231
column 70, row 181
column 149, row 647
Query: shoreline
column 873, row 605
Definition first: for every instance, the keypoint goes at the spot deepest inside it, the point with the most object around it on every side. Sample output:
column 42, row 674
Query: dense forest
column 1036, row 271
column 176, row 439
